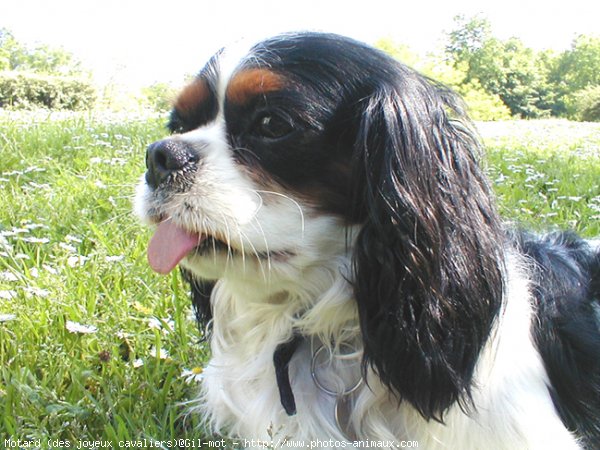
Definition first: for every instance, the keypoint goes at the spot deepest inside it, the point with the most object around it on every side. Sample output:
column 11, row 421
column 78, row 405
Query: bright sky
column 140, row 42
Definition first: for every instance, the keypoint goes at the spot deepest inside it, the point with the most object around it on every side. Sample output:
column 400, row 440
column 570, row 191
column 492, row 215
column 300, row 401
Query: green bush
column 483, row 105
column 23, row 90
column 584, row 105
column 159, row 96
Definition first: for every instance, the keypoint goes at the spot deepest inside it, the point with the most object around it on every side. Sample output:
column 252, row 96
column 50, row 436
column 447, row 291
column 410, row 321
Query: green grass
column 71, row 252
column 546, row 174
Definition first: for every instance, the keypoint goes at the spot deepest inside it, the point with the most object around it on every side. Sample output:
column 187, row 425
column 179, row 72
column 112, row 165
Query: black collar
column 281, row 359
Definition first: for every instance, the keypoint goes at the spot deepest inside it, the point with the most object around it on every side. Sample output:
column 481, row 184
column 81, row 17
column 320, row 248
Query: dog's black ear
column 200, row 293
column 427, row 262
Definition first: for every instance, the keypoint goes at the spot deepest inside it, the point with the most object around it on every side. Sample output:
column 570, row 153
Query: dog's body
column 326, row 205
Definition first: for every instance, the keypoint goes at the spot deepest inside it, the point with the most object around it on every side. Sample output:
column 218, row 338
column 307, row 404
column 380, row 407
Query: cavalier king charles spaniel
column 326, row 204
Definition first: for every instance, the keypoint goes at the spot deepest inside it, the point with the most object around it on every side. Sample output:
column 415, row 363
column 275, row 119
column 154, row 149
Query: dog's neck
column 318, row 302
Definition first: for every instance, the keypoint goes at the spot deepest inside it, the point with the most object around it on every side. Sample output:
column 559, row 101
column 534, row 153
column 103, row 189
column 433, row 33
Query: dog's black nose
column 166, row 157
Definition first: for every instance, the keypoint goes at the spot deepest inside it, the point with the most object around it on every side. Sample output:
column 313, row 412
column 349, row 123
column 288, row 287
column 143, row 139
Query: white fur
column 512, row 408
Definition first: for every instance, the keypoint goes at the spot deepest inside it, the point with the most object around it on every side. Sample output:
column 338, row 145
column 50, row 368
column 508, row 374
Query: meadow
column 95, row 346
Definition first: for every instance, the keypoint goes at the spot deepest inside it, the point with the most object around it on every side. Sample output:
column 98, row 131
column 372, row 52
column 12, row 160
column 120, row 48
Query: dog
column 327, row 206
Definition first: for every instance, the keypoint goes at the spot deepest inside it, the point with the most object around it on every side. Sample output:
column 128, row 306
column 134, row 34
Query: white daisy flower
column 8, row 276
column 76, row 327
column 35, row 226
column 164, row 325
column 67, row 247
column 34, row 240
column 36, row 292
column 76, row 260
column 192, row 375
column 7, row 295
column 50, row 269
column 137, row 363
column 159, row 353
column 115, row 258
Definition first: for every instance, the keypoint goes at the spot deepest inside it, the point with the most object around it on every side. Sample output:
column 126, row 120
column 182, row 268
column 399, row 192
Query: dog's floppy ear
column 427, row 267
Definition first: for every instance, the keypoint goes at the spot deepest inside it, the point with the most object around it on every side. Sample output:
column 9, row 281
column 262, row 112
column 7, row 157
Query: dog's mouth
column 171, row 243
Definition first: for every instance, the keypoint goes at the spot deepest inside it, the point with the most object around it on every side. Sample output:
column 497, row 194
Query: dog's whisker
column 227, row 240
column 294, row 202
column 257, row 226
column 257, row 254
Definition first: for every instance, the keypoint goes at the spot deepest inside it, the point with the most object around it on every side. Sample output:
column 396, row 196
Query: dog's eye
column 272, row 126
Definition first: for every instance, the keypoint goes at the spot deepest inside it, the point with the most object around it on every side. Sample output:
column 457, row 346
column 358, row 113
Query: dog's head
column 310, row 145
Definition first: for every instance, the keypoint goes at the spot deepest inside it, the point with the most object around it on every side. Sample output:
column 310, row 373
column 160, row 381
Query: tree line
column 497, row 78
column 501, row 78
column 42, row 77
column 43, row 59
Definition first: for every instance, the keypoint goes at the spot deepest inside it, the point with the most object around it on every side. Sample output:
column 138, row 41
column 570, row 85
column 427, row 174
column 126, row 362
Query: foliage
column 481, row 105
column 578, row 67
column 507, row 69
column 27, row 90
column 574, row 71
column 159, row 96
column 41, row 77
column 42, row 59
column 401, row 52
column 468, row 38
column 496, row 78
column 8, row 47
column 531, row 84
column 585, row 104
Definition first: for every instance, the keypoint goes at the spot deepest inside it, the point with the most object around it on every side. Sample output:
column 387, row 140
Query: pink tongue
column 169, row 245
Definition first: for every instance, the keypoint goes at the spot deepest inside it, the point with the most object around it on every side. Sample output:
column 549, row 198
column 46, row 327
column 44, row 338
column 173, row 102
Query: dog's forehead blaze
column 251, row 82
column 192, row 96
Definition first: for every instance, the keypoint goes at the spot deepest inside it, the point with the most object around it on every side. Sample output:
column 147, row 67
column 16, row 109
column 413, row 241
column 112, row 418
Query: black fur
column 427, row 272
column 200, row 293
column 566, row 276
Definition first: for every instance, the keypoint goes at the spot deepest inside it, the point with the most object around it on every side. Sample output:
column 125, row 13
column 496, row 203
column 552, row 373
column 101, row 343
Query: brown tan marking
column 252, row 82
column 191, row 97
